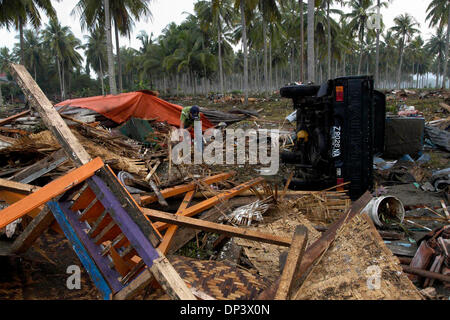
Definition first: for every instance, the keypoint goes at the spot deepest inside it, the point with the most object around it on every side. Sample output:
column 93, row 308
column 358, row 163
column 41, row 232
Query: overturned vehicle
column 340, row 126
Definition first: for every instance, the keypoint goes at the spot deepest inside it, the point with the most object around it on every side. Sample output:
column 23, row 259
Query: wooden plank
column 17, row 187
column 204, row 205
column 49, row 115
column 292, row 265
column 168, row 236
column 34, row 229
column 47, row 193
column 40, row 168
column 230, row 231
column 171, row 192
column 14, row 117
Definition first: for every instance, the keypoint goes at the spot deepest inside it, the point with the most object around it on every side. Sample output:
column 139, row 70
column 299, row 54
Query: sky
column 167, row 11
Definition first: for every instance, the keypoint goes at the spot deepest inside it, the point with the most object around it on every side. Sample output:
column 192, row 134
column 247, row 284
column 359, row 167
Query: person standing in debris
column 188, row 116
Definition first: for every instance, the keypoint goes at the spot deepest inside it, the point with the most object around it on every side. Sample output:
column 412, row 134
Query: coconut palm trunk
column 101, row 76
column 1, row 96
column 302, row 43
column 244, row 44
column 399, row 74
column 119, row 63
column 310, row 35
column 329, row 39
column 266, row 76
column 222, row 90
column 446, row 52
column 22, row 42
column 109, row 48
column 377, row 55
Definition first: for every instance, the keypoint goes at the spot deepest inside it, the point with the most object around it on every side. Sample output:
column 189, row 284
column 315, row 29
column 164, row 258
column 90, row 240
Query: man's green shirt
column 186, row 117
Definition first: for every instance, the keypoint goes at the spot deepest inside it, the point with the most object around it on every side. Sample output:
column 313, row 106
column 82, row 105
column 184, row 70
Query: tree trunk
column 119, row 63
column 444, row 79
column 244, row 44
column 101, row 76
column 222, row 90
column 377, row 57
column 329, row 39
column 1, row 96
column 266, row 72
column 109, row 48
column 22, row 44
column 59, row 76
column 311, row 64
column 302, row 43
column 270, row 66
column 399, row 74
column 438, row 72
column 63, row 71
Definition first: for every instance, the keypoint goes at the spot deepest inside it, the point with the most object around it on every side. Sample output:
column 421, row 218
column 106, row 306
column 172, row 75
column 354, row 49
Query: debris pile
column 78, row 187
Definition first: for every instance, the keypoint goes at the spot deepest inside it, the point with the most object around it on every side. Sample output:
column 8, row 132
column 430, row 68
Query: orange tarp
column 140, row 104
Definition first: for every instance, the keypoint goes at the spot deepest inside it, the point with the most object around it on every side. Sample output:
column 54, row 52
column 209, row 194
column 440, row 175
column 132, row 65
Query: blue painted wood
column 111, row 275
column 129, row 228
column 81, row 251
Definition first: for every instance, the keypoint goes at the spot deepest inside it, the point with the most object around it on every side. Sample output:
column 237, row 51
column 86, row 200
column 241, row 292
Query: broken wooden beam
column 17, row 187
column 168, row 236
column 40, row 168
column 182, row 220
column 291, row 268
column 14, row 117
column 171, row 192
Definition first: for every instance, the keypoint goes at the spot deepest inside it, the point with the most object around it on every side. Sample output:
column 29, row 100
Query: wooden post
column 292, row 266
column 49, row 115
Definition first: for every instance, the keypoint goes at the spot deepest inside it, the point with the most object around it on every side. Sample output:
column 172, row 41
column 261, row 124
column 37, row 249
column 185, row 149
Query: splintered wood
column 322, row 207
column 265, row 257
column 358, row 266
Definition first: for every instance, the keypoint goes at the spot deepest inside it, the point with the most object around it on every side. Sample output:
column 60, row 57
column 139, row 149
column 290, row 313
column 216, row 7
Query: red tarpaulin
column 141, row 104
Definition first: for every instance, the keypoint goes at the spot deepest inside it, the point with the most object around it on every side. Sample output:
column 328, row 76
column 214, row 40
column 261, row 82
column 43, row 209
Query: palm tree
column 109, row 48
column 95, row 50
column 19, row 12
column 123, row 13
column 310, row 36
column 62, row 44
column 439, row 14
column 436, row 46
column 5, row 59
column 245, row 8
column 404, row 29
column 216, row 16
column 377, row 57
column 32, row 51
column 358, row 23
